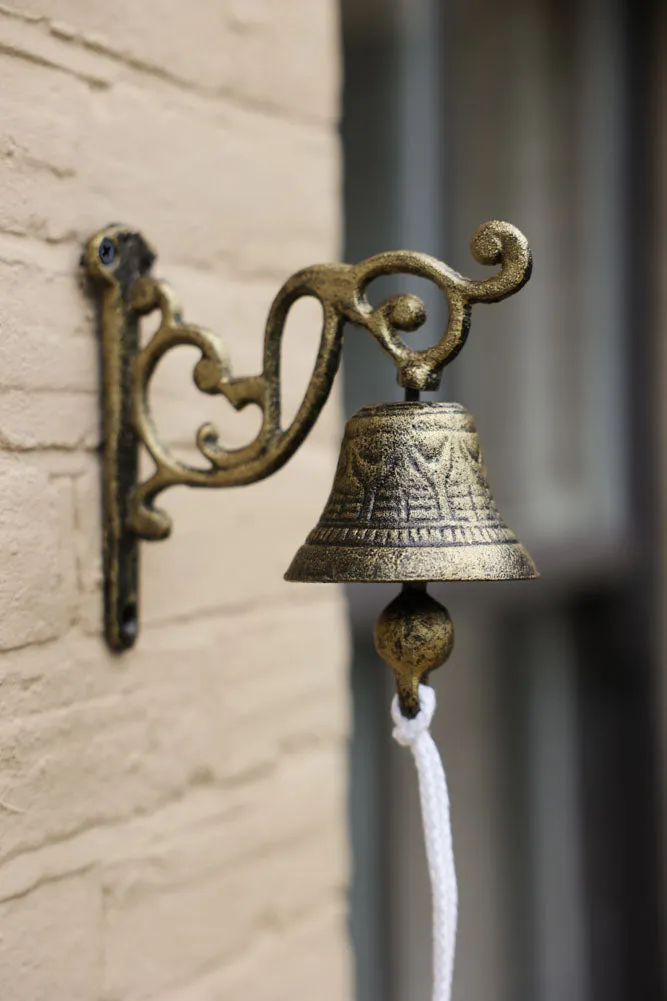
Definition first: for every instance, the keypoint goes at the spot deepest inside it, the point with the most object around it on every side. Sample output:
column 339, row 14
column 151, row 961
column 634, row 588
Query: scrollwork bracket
column 119, row 262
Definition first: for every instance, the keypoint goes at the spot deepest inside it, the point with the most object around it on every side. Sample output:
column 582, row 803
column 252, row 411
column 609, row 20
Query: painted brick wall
column 172, row 822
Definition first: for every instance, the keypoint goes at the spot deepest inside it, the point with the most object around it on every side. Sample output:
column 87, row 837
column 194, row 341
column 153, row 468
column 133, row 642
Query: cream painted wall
column 172, row 822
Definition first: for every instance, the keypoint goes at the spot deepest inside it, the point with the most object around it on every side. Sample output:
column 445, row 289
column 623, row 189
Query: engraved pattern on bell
column 411, row 501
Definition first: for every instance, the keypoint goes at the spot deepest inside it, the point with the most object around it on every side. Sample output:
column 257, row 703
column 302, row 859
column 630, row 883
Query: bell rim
column 315, row 564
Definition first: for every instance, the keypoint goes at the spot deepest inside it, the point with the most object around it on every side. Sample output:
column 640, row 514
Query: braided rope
column 414, row 733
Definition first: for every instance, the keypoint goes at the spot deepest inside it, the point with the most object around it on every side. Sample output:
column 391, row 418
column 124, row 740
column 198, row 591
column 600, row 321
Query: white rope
column 414, row 733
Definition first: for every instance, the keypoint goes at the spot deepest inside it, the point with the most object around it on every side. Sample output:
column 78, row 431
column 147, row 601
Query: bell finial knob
column 414, row 635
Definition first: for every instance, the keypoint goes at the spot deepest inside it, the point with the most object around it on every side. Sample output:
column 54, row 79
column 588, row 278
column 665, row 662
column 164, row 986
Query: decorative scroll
column 121, row 261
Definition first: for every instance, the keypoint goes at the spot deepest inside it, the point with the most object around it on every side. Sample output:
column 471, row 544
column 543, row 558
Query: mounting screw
column 107, row 251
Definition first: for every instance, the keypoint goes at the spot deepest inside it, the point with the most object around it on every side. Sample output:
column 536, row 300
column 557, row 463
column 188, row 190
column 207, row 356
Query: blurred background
column 545, row 113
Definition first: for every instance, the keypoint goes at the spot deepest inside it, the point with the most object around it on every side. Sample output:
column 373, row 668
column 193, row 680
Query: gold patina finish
column 411, row 502
column 414, row 635
column 119, row 261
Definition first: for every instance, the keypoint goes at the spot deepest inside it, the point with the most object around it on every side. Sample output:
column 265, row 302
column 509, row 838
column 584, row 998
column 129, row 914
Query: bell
column 411, row 502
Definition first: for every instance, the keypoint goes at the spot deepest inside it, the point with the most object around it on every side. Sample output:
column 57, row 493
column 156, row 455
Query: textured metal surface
column 119, row 261
column 414, row 635
column 130, row 256
column 411, row 501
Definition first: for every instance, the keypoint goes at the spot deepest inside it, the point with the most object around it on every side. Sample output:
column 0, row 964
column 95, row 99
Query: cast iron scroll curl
column 341, row 291
column 119, row 261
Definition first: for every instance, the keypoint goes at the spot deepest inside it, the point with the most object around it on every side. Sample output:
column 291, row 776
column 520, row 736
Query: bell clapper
column 414, row 635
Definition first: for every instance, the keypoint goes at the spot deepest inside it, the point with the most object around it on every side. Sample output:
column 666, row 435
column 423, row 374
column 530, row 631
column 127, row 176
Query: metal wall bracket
column 119, row 261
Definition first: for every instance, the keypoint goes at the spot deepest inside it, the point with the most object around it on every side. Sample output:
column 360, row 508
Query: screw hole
column 107, row 251
column 129, row 625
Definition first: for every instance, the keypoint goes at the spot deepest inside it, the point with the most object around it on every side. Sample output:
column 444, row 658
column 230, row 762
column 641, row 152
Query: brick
column 31, row 420
column 40, row 110
column 309, row 958
column 278, row 55
column 33, row 40
column 181, row 43
column 50, row 943
column 232, row 816
column 114, row 740
column 36, row 202
column 36, row 680
column 192, row 903
column 283, row 212
column 63, row 487
column 300, row 72
column 87, row 544
column 112, row 167
column 35, row 599
column 37, row 353
column 179, row 180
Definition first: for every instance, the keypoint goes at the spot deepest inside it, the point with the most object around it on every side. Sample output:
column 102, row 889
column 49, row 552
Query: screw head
column 107, row 251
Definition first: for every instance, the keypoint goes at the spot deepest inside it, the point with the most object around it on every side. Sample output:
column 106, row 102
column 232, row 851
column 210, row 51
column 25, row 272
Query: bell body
column 411, row 502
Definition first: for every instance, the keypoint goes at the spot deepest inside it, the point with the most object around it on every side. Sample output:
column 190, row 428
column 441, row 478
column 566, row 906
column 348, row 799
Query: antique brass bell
column 411, row 502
